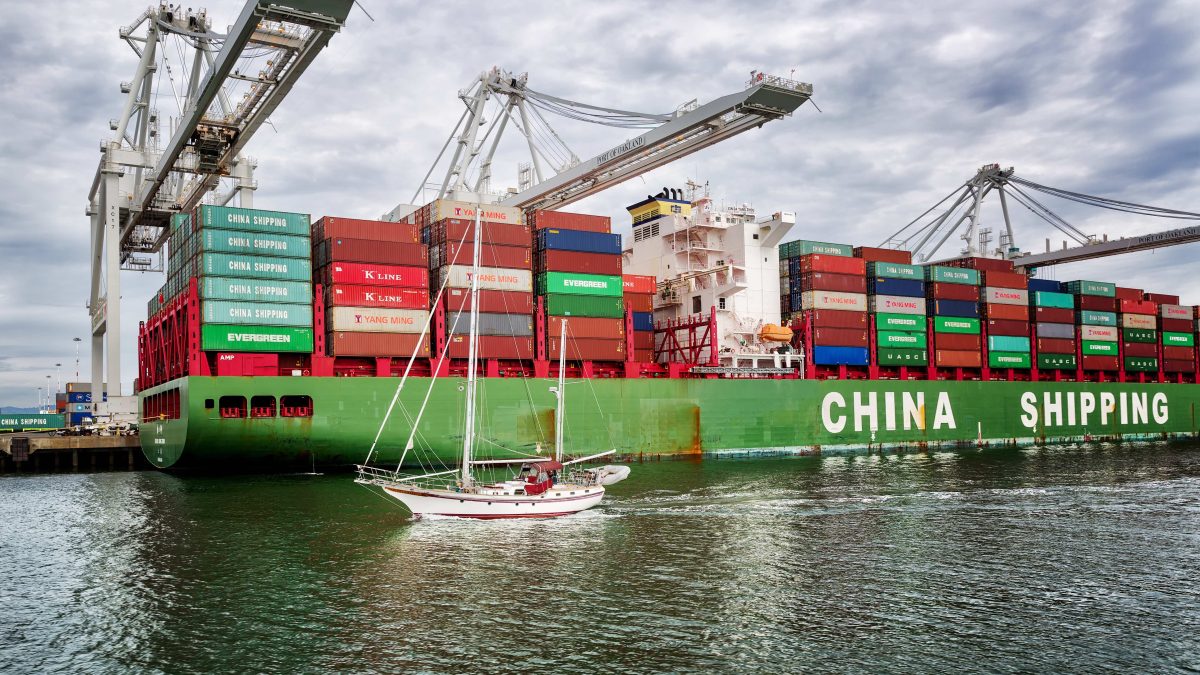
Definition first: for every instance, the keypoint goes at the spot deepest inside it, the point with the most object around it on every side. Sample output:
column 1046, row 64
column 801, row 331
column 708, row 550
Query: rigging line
column 596, row 399
column 1101, row 201
column 1061, row 224
column 429, row 390
column 1022, row 201
column 662, row 117
column 927, row 212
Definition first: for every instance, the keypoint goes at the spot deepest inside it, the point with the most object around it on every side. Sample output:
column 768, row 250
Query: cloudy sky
column 1100, row 97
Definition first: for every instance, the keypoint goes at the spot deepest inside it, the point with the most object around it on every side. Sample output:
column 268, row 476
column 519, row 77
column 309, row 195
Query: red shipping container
column 373, row 275
column 834, row 318
column 964, row 292
column 883, row 255
column 490, row 301
column 585, row 327
column 981, row 264
column 1131, row 294
column 1161, row 298
column 1179, row 366
column 341, row 249
column 1097, row 303
column 1176, row 325
column 587, row 349
column 957, row 341
column 1099, row 363
column 943, row 358
column 577, row 261
column 833, row 264
column 346, row 295
column 569, row 221
column 458, row 230
column 1144, row 349
column 641, row 302
column 1002, row 327
column 1137, row 307
column 1178, row 353
column 376, row 344
column 1055, row 346
column 643, row 339
column 823, row 281
column 490, row 255
column 1006, row 312
column 1005, row 280
column 1053, row 315
column 839, row 337
column 639, row 283
column 643, row 355
column 374, row 230
column 492, row 347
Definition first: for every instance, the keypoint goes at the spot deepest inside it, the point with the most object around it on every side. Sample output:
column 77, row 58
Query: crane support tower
column 225, row 86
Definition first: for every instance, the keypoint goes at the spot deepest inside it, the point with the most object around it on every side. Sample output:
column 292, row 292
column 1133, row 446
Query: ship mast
column 472, row 357
column 560, row 393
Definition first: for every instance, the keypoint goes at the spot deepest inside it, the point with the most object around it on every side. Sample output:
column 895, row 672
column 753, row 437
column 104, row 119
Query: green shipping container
column 224, row 338
column 256, row 314
column 255, row 243
column 1096, row 348
column 1056, row 361
column 952, row 275
column 1008, row 343
column 253, row 220
column 887, row 338
column 1139, row 335
column 1051, row 299
column 256, row 290
column 30, row 421
column 255, row 267
column 1178, row 339
column 954, row 324
column 1102, row 288
column 1089, row 318
column 558, row 304
column 890, row 356
column 885, row 321
column 1140, row 364
column 887, row 270
column 570, row 283
column 1009, row 359
column 802, row 247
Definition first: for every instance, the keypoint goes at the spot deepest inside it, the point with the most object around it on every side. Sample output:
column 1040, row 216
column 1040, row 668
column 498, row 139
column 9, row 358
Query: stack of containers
column 1140, row 317
column 953, row 294
column 1005, row 307
column 1053, row 318
column 789, row 272
column 897, row 300
column 1097, row 324
column 505, row 282
column 639, row 300
column 376, row 286
column 1178, row 337
column 579, row 275
column 831, row 291
column 254, row 273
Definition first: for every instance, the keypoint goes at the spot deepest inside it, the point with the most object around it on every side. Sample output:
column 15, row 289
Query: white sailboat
column 542, row 487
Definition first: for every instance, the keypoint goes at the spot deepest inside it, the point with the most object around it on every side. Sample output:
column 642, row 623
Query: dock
column 47, row 453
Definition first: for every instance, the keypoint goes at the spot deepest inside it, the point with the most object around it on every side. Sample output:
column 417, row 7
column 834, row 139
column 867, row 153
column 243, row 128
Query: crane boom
column 1100, row 249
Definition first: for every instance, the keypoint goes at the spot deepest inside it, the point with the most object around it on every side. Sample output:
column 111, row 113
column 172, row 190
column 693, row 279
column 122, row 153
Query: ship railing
column 781, row 82
column 371, row 475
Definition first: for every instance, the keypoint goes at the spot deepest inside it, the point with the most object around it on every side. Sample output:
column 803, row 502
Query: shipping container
column 909, row 340
column 983, row 264
column 1056, row 361
column 444, row 209
column 643, row 340
column 490, row 278
column 1002, row 327
column 79, row 407
column 1104, row 333
column 643, row 355
column 639, row 283
column 854, row 302
column 832, row 356
column 377, row 320
column 640, row 302
column 945, row 358
column 1141, row 364
column 373, row 274
column 251, row 220
column 492, row 347
column 902, row 357
column 898, row 287
column 892, row 304
column 254, row 243
column 1131, row 294
column 1100, row 363
column 1045, row 286
column 503, row 234
column 1053, row 315
column 377, row 344
column 1060, row 331
column 1146, row 307
column 1176, row 325
column 587, row 349
column 833, row 264
column 886, row 255
column 1144, row 321
column 1005, row 296
column 1093, row 288
column 345, row 250
column 563, row 220
column 1059, row 300
column 946, row 324
column 1172, row 366
column 1138, row 335
column 252, row 267
column 1176, row 353
column 585, row 327
column 1005, row 280
column 950, row 291
column 255, row 314
column 558, row 304
column 1090, row 318
column 951, row 275
column 1097, row 303
column 1179, row 339
column 224, row 338
column 506, row 302
column 1161, row 298
column 894, row 270
column 956, row 308
column 958, row 342
column 1055, row 345
column 1098, row 348
column 1007, row 312
column 998, row 359
column 824, row 281
column 886, row 321
column 805, row 247
column 1134, row 349
column 255, row 290
column 579, row 284
column 1008, row 343
column 348, row 295
column 1174, row 311
column 490, row 255
column 576, row 262
column 518, row 325
column 331, row 227
column 642, row 321
column 839, row 337
column 552, row 239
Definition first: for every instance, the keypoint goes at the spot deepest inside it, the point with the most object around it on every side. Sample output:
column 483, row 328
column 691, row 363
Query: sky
column 913, row 98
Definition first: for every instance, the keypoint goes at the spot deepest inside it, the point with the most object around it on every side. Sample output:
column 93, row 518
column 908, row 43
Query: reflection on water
column 1068, row 558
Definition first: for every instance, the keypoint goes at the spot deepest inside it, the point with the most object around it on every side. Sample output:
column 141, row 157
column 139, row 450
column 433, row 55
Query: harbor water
column 1075, row 558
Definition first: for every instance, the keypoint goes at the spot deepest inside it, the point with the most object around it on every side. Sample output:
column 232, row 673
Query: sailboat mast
column 472, row 357
column 562, row 393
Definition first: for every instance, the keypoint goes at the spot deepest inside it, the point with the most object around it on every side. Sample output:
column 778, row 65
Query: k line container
column 490, row 255
column 901, row 322
column 255, row 243
column 949, row 291
column 895, row 304
column 1089, row 318
column 952, row 275
column 898, row 287
column 368, row 251
column 331, row 227
column 1061, row 331
column 950, row 324
column 839, row 337
column 854, row 302
column 1002, row 327
column 348, row 295
column 1098, row 348
column 945, row 358
column 255, row 290
column 456, row 230
column 492, row 347
column 831, row 356
column 552, row 239
column 1009, row 359
column 1094, row 288
column 576, row 262
column 639, row 283
column 894, row 270
column 580, row 284
column 1144, row 321
column 224, row 338
column 505, row 302
column 558, row 304
column 1005, row 296
column 1005, row 280
column 373, row 274
column 491, row 324
column 256, row 314
column 899, row 339
column 1059, row 300
column 251, row 220
column 587, row 349
column 1139, row 335
column 1008, row 343
column 400, row 345
column 584, row 327
column 902, row 357
column 254, row 267
column 490, row 278
column 377, row 320
column 1056, row 361
column 956, row 308
column 958, row 342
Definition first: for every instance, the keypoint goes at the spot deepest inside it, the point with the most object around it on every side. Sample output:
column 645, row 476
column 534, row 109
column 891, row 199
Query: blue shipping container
column 907, row 288
column 75, row 419
column 81, row 397
column 1045, row 285
column 643, row 320
column 793, row 267
column 960, row 308
column 577, row 240
column 832, row 356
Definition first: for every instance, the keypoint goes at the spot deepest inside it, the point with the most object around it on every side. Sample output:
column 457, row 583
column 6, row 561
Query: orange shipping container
column 585, row 327
column 637, row 283
column 570, row 221
column 492, row 347
column 639, row 302
column 376, row 344
column 590, row 349
column 955, row 359
column 1007, row 312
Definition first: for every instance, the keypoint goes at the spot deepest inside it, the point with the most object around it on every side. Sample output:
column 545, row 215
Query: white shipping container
column 490, row 278
column 898, row 304
column 1005, row 296
column 1139, row 321
column 1176, row 311
column 1099, row 333
column 377, row 320
column 850, row 302
column 449, row 208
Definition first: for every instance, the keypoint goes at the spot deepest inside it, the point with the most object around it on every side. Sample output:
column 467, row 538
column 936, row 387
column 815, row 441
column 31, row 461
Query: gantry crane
column 225, row 86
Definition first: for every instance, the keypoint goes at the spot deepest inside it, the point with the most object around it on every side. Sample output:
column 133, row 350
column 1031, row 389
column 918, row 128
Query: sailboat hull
column 554, row 502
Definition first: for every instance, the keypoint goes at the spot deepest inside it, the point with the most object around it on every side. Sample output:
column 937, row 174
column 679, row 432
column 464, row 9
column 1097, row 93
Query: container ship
column 280, row 341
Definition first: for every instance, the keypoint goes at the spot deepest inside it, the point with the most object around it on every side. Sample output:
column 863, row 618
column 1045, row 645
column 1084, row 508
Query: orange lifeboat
column 772, row 333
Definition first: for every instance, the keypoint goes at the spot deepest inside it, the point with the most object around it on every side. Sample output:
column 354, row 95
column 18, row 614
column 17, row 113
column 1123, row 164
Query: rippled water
column 1063, row 559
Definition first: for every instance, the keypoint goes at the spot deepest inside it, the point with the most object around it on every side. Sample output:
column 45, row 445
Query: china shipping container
column 540, row 220
column 575, row 261
column 249, row 220
column 1049, row 299
column 951, row 275
column 255, row 314
column 376, row 344
column 241, row 266
column 490, row 255
column 892, row 270
column 253, row 243
column 350, row 295
column 511, row 302
column 587, row 349
column 492, row 347
column 586, row 327
column 331, row 227
column 368, row 251
column 255, row 290
column 1092, row 288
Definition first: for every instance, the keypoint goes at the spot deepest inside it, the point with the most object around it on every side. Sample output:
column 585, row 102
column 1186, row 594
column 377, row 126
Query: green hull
column 650, row 417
